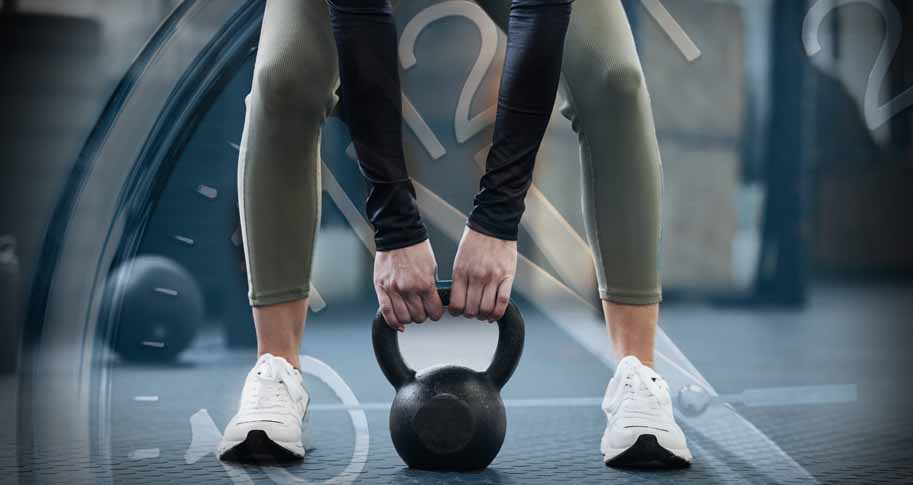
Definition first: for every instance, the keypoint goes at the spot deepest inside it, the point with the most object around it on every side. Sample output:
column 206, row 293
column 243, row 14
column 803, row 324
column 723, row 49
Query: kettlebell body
column 449, row 417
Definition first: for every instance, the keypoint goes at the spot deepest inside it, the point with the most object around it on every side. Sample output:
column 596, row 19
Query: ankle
column 644, row 358
column 290, row 356
column 632, row 329
column 280, row 328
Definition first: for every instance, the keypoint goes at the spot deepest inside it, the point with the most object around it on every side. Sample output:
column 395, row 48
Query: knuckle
column 411, row 286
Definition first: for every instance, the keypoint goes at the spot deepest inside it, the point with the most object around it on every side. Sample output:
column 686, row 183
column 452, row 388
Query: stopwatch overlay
column 763, row 396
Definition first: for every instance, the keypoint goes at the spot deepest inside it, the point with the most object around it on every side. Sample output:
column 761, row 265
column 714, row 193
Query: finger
column 487, row 303
column 457, row 294
column 386, row 309
column 400, row 309
column 502, row 299
column 473, row 297
column 416, row 308
column 432, row 302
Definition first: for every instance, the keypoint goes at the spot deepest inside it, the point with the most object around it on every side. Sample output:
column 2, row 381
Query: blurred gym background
column 788, row 245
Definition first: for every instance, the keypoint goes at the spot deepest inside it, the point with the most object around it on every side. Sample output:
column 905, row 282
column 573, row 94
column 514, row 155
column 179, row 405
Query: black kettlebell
column 449, row 418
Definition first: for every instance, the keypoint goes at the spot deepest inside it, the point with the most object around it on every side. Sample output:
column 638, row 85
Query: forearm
column 529, row 84
column 371, row 103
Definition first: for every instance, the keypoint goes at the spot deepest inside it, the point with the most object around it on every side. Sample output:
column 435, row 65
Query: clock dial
column 144, row 333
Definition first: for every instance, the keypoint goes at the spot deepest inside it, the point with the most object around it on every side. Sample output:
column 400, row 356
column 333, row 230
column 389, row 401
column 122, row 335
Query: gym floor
column 812, row 396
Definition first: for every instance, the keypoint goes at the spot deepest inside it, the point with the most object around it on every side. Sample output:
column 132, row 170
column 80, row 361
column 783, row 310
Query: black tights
column 371, row 102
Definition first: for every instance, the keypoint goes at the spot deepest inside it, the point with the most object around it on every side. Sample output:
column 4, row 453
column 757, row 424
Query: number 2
column 875, row 115
column 464, row 126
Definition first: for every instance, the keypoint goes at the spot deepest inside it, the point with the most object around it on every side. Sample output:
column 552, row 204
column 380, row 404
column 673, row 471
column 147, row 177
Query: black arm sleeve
column 529, row 85
column 371, row 103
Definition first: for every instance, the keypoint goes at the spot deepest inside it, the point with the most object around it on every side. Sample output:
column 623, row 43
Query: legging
column 605, row 98
column 371, row 103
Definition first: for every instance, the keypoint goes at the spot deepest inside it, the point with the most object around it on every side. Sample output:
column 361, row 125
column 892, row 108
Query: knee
column 300, row 84
column 621, row 81
column 616, row 88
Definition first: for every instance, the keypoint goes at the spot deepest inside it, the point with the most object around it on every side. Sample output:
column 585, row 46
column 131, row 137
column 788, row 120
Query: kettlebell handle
column 511, row 334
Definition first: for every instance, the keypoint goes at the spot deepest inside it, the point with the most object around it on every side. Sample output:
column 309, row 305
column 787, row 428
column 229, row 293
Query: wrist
column 400, row 239
column 497, row 231
column 393, row 212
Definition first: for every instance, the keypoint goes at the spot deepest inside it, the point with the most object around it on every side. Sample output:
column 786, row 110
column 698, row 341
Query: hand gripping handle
column 511, row 334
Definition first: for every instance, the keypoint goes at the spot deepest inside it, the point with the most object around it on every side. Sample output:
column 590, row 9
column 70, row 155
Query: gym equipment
column 155, row 306
column 449, row 417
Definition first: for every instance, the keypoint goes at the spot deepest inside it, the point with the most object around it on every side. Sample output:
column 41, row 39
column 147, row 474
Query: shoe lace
column 274, row 374
column 642, row 382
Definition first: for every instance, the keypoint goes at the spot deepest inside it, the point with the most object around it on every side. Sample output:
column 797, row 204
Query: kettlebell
column 449, row 418
column 153, row 300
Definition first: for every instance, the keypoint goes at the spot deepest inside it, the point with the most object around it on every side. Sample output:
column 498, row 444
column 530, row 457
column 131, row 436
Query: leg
column 607, row 101
column 279, row 167
column 279, row 198
column 608, row 104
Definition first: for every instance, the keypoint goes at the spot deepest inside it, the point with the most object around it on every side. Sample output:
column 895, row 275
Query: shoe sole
column 646, row 452
column 257, row 447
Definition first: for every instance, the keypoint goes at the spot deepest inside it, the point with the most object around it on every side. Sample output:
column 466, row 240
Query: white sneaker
column 268, row 425
column 641, row 429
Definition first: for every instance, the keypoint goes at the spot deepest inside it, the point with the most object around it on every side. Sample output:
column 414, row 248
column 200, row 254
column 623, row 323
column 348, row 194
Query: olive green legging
column 293, row 92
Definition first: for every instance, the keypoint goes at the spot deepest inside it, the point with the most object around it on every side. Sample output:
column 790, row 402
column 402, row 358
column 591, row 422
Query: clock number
column 875, row 114
column 464, row 126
